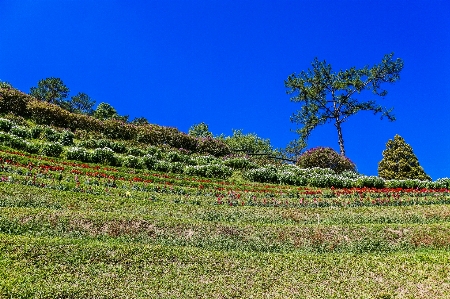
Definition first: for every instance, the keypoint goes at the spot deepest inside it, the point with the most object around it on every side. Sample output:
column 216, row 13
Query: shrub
column 399, row 162
column 162, row 166
column 204, row 160
column 288, row 177
column 5, row 138
column 150, row 161
column 16, row 142
column 155, row 151
column 35, row 132
column 263, row 175
column 90, row 143
column 14, row 101
column 195, row 170
column 20, row 131
column 325, row 157
column 213, row 146
column 5, row 124
column 103, row 143
column 239, row 163
column 218, row 171
column 51, row 134
column 443, row 183
column 176, row 167
column 79, row 154
column 209, row 171
column 32, row 148
column 116, row 129
column 174, row 156
column 136, row 152
column 67, row 138
column 52, row 149
column 132, row 162
column 103, row 155
column 369, row 182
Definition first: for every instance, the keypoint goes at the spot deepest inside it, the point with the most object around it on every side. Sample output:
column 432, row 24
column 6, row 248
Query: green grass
column 170, row 240
column 45, row 267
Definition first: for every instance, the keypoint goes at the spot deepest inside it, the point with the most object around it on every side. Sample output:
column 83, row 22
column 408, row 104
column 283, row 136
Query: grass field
column 185, row 237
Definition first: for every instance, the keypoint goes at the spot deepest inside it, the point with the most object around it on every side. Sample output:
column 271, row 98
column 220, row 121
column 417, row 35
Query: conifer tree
column 399, row 162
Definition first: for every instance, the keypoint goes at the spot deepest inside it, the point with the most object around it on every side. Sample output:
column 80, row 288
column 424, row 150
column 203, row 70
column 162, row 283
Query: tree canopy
column 51, row 90
column 106, row 111
column 327, row 96
column 249, row 143
column 200, row 130
column 81, row 103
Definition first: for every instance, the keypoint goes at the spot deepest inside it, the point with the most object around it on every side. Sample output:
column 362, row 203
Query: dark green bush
column 20, row 131
column 240, row 163
column 176, row 167
column 35, row 132
column 150, row 161
column 51, row 134
column 67, row 138
column 325, row 157
column 103, row 155
column 78, row 154
column 90, row 143
column 133, row 151
column 132, row 162
column 5, row 125
column 162, row 166
column 52, row 149
column 213, row 146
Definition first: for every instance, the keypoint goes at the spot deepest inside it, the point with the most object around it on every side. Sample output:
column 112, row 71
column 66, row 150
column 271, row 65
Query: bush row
column 37, row 132
column 21, row 104
column 327, row 178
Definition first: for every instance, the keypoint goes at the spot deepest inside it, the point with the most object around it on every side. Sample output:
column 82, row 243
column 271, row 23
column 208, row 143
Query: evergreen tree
column 50, row 90
column 399, row 162
column 328, row 96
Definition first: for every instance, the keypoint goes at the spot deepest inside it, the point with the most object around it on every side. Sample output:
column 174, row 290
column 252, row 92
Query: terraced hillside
column 78, row 230
column 106, row 209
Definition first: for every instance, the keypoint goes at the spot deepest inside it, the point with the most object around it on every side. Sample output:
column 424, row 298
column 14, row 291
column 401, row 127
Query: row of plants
column 81, row 178
column 208, row 166
column 327, row 178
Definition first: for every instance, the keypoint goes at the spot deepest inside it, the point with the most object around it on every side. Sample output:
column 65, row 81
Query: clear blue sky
column 180, row 62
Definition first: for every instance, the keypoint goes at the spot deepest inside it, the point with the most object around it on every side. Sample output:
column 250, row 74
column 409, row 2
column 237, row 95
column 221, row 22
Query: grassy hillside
column 74, row 230
column 102, row 212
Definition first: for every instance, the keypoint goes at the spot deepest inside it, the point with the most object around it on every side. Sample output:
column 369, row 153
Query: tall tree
column 81, row 103
column 327, row 96
column 399, row 162
column 50, row 90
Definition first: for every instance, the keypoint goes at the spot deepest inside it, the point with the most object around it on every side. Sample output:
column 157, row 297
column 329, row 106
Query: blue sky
column 180, row 62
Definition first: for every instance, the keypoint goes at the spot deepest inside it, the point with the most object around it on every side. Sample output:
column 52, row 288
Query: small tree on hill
column 399, row 162
column 51, row 90
column 249, row 143
column 200, row 130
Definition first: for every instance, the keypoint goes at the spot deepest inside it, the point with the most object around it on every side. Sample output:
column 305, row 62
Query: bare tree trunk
column 341, row 139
